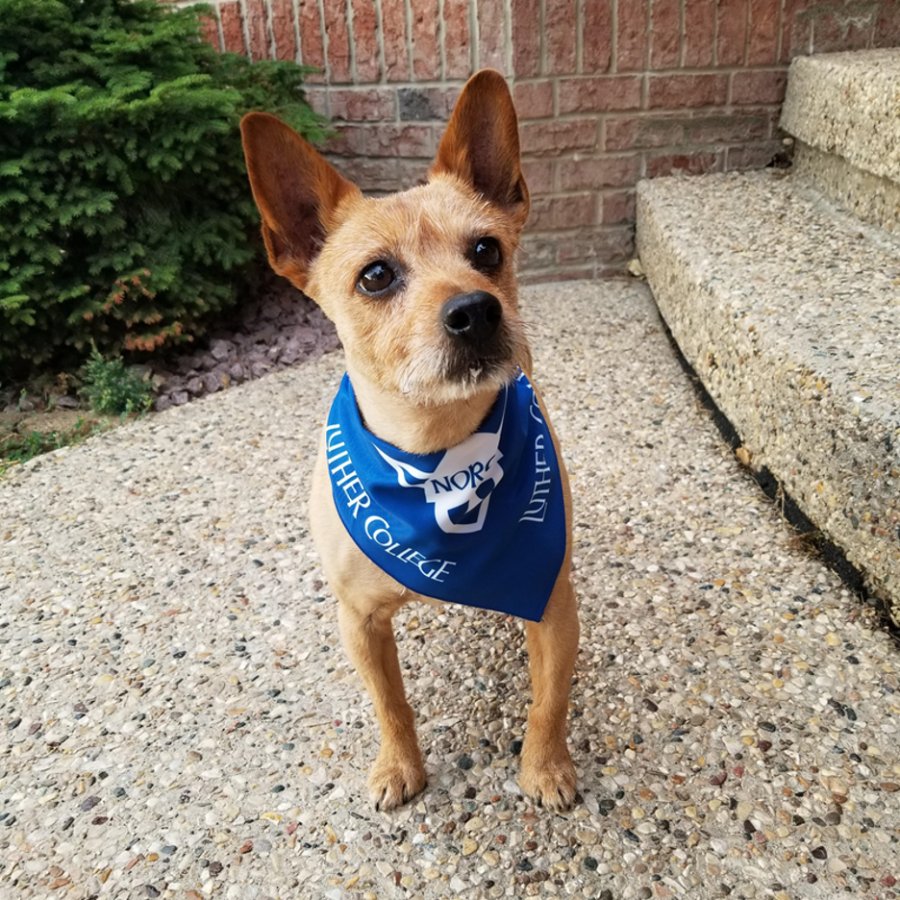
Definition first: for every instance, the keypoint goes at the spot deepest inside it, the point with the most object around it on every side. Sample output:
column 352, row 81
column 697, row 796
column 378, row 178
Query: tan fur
column 321, row 233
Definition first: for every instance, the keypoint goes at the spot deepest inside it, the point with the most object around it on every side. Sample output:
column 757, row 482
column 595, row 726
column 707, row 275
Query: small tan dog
column 422, row 289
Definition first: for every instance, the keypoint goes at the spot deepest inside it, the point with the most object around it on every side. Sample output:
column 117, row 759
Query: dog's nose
column 473, row 317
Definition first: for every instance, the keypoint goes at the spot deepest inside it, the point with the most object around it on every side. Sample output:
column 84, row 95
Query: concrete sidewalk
column 179, row 719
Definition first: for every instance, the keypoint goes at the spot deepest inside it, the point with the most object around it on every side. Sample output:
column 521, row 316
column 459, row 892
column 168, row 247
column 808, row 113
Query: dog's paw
column 549, row 779
column 394, row 780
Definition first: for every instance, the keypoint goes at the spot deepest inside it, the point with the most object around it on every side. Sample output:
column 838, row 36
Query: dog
column 439, row 477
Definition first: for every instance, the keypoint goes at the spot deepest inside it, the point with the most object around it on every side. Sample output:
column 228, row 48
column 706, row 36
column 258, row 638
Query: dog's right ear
column 298, row 193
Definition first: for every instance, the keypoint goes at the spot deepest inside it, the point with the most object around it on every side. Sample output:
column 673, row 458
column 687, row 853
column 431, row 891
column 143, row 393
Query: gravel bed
column 282, row 330
column 179, row 720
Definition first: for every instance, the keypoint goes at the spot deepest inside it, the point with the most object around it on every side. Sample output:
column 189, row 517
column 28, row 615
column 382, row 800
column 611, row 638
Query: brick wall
column 608, row 91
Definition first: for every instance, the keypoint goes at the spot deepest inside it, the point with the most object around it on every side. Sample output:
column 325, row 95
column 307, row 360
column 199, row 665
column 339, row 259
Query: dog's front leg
column 368, row 636
column 548, row 774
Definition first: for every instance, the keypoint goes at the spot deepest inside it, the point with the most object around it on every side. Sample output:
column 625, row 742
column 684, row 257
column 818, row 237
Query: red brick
column 534, row 100
column 316, row 98
column 365, row 41
column 558, row 274
column 209, row 31
column 426, row 55
column 538, row 175
column 717, row 128
column 396, row 58
column 312, row 49
column 732, row 33
column 560, row 42
column 338, row 41
column 596, row 38
column 887, row 25
column 457, row 46
column 796, row 29
column 617, row 207
column 413, row 172
column 665, row 34
column 645, row 132
column 379, row 175
column 699, row 33
column 640, row 132
column 367, row 105
column 526, row 36
column 843, row 27
column 596, row 245
column 538, row 252
column 677, row 91
column 600, row 94
column 556, row 213
column 752, row 156
column 690, row 163
column 598, row 172
column 759, row 86
column 422, row 104
column 491, row 36
column 552, row 138
column 404, row 140
column 283, row 30
column 762, row 42
column 350, row 140
column 258, row 29
column 631, row 53
column 232, row 27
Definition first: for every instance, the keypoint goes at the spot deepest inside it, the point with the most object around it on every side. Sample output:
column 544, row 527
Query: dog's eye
column 376, row 278
column 486, row 254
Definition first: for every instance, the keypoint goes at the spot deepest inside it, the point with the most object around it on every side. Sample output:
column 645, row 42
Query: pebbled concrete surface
column 178, row 719
column 870, row 197
column 789, row 311
column 848, row 104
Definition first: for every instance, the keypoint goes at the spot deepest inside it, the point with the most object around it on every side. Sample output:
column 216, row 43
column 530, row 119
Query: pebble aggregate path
column 177, row 718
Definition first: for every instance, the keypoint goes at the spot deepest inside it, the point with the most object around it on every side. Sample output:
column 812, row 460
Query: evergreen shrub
column 126, row 218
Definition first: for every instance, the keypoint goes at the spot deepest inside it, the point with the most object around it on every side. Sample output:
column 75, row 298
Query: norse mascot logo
column 461, row 486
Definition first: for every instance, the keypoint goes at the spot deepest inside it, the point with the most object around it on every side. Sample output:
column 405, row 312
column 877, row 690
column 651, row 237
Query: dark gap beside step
column 829, row 552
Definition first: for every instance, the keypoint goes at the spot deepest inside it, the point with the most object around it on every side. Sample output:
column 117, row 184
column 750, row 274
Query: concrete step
column 789, row 311
column 844, row 111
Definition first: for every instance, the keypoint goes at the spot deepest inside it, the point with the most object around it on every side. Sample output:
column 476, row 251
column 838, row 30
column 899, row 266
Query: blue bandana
column 482, row 523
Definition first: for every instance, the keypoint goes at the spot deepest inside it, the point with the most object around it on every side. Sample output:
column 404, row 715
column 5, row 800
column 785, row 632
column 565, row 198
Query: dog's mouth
column 472, row 369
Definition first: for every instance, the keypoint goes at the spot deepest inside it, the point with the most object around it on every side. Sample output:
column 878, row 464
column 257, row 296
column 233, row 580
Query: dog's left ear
column 481, row 144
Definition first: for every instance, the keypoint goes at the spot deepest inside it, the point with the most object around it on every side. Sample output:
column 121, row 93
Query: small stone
column 469, row 846
column 150, row 891
column 215, row 868
column 591, row 864
column 820, row 853
column 890, row 786
column 89, row 803
column 465, row 762
column 767, row 726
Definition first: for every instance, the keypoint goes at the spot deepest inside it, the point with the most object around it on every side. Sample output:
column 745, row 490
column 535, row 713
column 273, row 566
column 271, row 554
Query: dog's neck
column 414, row 428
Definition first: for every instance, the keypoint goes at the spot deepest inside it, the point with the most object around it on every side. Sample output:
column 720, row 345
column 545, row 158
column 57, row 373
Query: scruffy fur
column 413, row 388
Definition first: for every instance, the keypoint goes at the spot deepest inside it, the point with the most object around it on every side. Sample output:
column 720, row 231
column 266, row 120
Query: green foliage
column 112, row 389
column 17, row 448
column 125, row 212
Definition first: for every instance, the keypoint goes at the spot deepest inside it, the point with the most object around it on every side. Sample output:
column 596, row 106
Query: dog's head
column 421, row 284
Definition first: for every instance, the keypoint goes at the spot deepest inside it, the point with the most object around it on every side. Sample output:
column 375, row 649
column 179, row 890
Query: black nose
column 473, row 317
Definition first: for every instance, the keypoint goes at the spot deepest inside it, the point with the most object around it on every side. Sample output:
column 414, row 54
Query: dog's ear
column 481, row 144
column 298, row 193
